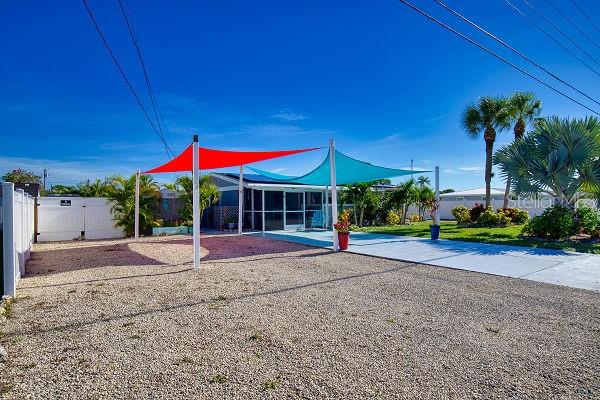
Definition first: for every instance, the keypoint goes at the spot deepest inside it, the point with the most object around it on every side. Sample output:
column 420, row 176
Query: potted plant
column 343, row 229
column 434, row 229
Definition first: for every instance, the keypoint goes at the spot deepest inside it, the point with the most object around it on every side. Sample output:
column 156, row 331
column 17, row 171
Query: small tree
column 209, row 194
column 21, row 176
column 404, row 195
column 362, row 197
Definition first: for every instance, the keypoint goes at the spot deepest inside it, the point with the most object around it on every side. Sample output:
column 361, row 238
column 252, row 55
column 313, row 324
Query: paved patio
column 544, row 265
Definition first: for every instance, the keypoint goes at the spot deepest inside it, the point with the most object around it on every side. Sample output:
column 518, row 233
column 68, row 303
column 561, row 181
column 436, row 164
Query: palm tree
column 523, row 109
column 209, row 194
column 424, row 196
column 97, row 188
column 405, row 194
column 423, row 181
column 488, row 116
column 121, row 196
column 560, row 157
column 361, row 196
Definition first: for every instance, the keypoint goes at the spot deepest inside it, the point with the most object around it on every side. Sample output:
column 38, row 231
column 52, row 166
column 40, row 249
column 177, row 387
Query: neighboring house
column 33, row 189
column 268, row 204
column 472, row 195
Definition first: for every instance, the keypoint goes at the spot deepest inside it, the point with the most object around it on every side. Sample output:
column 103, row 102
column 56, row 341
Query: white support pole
column 241, row 200
column 326, row 218
column 136, row 223
column 263, row 210
column 8, row 216
column 437, row 193
column 196, row 202
column 333, row 192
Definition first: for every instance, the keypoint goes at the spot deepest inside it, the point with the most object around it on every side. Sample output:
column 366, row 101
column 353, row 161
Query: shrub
column 392, row 218
column 415, row 218
column 587, row 220
column 516, row 215
column 462, row 215
column 490, row 218
column 476, row 211
column 556, row 222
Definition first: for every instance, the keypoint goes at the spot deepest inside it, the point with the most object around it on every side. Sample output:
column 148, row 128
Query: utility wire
column 585, row 15
column 552, row 37
column 133, row 36
column 561, row 32
column 437, row 21
column 572, row 23
column 112, row 55
column 515, row 51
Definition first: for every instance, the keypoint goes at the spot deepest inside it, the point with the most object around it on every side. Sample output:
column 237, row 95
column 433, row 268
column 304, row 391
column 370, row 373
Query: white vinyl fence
column 68, row 218
column 17, row 234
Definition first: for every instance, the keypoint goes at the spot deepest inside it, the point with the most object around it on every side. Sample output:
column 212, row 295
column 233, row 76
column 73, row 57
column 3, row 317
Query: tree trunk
column 490, row 138
column 519, row 131
column 362, row 215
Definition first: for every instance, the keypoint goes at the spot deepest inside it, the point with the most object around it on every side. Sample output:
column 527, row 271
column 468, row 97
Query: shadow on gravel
column 46, row 262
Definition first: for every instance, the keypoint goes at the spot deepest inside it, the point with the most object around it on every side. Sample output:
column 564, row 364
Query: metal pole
column 333, row 192
column 437, row 193
column 241, row 200
column 196, row 202
column 326, row 222
column 136, row 223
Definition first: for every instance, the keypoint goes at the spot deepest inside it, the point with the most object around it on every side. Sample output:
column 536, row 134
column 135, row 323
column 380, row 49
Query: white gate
column 68, row 218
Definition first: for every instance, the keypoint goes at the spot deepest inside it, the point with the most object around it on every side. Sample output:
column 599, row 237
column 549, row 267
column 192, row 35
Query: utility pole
column 411, row 164
column 45, row 176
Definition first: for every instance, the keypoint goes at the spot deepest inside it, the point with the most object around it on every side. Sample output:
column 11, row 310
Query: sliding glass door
column 294, row 210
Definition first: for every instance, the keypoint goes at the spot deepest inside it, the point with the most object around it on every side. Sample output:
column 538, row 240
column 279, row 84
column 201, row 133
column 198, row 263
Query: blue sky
column 381, row 80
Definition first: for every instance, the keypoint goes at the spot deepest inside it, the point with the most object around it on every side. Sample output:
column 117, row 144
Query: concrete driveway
column 576, row 270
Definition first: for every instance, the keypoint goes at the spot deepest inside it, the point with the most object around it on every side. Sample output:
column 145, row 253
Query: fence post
column 8, row 245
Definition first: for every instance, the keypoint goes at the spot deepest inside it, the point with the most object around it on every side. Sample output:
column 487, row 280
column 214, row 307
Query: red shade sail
column 213, row 159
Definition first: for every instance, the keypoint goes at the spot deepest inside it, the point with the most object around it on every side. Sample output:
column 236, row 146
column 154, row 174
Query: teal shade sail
column 348, row 171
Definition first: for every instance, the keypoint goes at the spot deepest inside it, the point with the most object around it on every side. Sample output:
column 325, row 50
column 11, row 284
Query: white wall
column 18, row 231
column 77, row 217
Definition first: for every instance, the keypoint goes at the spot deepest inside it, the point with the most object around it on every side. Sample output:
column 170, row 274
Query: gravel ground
column 269, row 319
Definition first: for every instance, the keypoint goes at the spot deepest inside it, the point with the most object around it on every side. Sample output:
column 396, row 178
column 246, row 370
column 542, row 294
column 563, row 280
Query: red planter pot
column 343, row 239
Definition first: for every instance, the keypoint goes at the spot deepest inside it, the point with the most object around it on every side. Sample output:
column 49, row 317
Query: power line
column 131, row 28
column 561, row 32
column 437, row 21
column 112, row 55
column 585, row 15
column 572, row 23
column 552, row 37
column 515, row 51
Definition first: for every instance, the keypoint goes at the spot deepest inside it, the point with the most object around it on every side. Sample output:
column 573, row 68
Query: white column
column 333, row 192
column 8, row 201
column 326, row 218
column 263, row 210
column 136, row 223
column 241, row 200
column 196, row 202
column 437, row 193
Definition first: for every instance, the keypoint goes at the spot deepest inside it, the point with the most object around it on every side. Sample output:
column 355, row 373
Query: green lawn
column 509, row 235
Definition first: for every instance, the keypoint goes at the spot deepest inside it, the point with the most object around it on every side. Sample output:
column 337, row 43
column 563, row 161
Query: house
column 472, row 195
column 268, row 204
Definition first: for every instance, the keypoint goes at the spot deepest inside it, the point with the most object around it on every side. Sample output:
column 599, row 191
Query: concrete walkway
column 544, row 265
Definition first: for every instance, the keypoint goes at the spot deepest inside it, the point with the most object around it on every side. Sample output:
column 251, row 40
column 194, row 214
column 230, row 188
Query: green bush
column 516, row 215
column 587, row 220
column 462, row 215
column 490, row 219
column 392, row 218
column 556, row 222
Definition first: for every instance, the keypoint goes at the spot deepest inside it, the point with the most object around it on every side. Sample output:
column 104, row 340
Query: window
column 273, row 201
column 314, row 200
column 248, row 199
column 273, row 221
column 294, row 201
column 257, row 200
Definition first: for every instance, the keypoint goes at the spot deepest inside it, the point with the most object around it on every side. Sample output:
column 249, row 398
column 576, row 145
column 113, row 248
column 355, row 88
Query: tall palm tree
column 361, row 196
column 488, row 116
column 523, row 109
column 405, row 194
